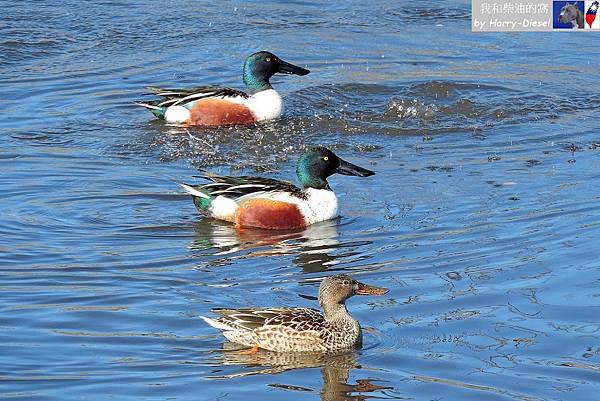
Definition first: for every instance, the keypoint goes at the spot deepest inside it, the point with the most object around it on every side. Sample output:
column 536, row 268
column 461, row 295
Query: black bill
column 347, row 168
column 287, row 68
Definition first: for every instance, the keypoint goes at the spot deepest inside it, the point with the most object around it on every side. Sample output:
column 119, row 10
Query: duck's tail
column 217, row 324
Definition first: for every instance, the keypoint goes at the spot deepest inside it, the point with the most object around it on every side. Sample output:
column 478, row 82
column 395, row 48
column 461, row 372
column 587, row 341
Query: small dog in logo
column 571, row 13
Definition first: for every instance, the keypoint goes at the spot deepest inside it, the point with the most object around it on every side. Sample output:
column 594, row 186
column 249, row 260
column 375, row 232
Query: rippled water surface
column 483, row 218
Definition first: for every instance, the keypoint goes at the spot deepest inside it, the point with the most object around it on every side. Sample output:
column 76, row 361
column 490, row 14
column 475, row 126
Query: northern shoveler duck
column 299, row 329
column 273, row 204
column 216, row 106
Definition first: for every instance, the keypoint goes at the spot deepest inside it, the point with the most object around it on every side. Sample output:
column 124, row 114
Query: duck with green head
column 217, row 106
column 274, row 204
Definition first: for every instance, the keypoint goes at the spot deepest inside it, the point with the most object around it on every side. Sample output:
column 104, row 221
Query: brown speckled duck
column 299, row 329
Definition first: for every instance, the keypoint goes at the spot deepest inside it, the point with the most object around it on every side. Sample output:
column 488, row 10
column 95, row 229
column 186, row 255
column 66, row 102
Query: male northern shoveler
column 299, row 329
column 215, row 106
column 273, row 204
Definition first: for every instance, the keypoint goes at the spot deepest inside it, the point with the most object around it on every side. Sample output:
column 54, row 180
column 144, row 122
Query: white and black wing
column 236, row 187
column 178, row 97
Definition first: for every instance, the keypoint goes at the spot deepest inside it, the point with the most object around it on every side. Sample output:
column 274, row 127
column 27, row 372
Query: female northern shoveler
column 215, row 106
column 299, row 329
column 272, row 204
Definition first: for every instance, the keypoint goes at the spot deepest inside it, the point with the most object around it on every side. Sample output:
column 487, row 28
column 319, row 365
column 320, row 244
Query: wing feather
column 299, row 319
column 178, row 97
column 245, row 186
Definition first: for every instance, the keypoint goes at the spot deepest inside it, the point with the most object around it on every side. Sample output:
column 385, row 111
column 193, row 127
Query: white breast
column 321, row 205
column 265, row 105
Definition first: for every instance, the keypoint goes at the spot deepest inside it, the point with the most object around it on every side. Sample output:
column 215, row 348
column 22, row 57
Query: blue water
column 483, row 218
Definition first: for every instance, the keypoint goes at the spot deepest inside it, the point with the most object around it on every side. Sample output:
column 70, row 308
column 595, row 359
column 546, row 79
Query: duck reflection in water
column 335, row 371
column 314, row 246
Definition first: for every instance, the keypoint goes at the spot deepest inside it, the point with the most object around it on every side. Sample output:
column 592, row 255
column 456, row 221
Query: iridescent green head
column 261, row 66
column 316, row 164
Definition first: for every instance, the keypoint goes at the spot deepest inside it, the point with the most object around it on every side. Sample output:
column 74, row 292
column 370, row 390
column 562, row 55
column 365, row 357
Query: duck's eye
column 325, row 158
column 346, row 282
column 268, row 59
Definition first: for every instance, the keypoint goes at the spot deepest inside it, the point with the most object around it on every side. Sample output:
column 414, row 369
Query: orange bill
column 364, row 289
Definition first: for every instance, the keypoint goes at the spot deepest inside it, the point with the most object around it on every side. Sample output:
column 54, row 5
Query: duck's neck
column 336, row 313
column 255, row 84
column 317, row 184
column 312, row 181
